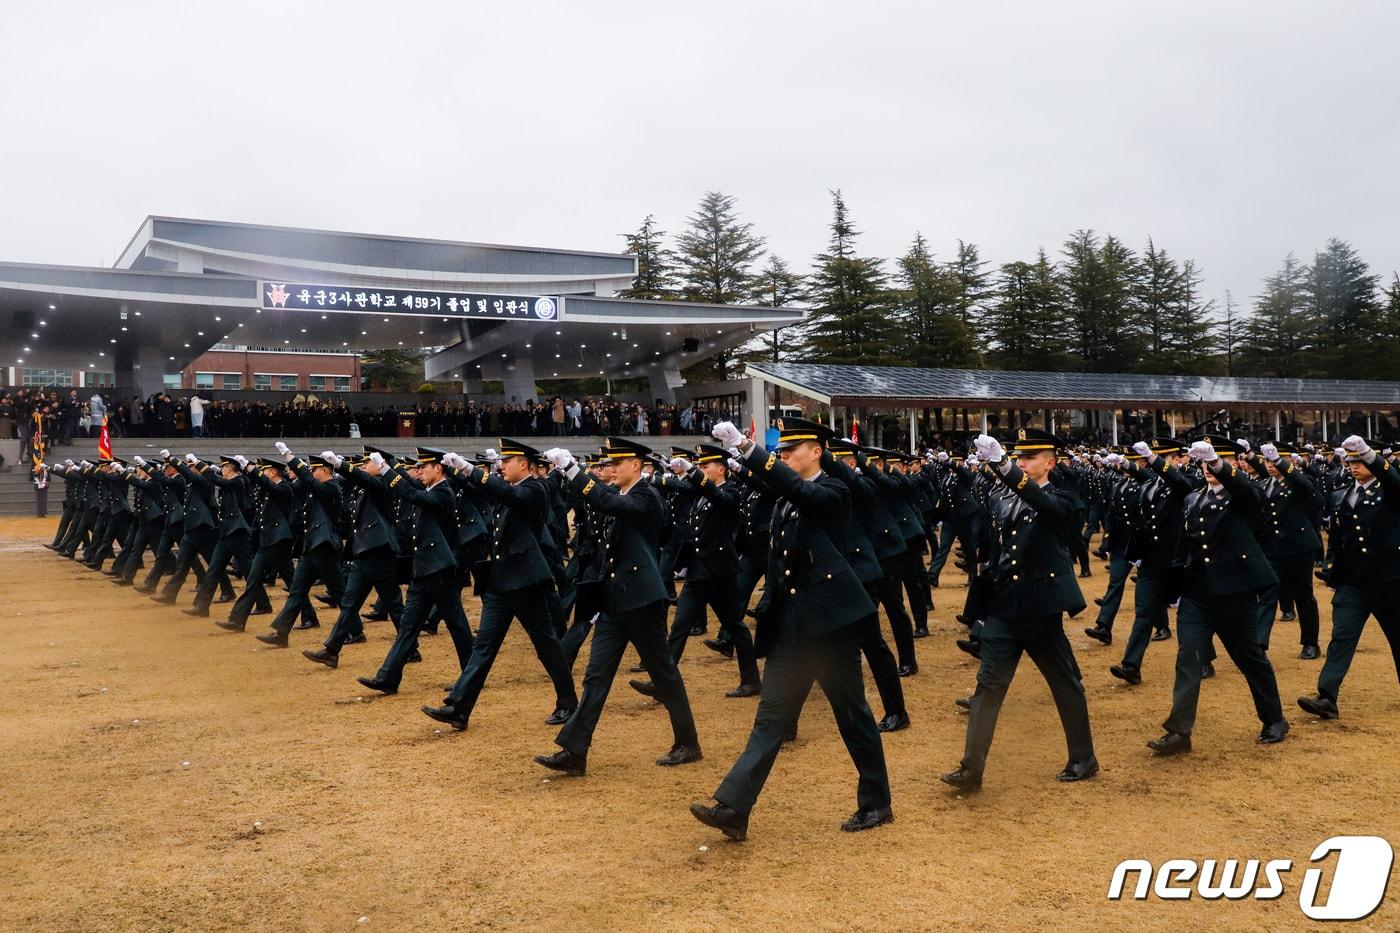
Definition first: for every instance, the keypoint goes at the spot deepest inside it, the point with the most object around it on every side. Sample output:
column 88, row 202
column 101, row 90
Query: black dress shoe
column 110, row 572
column 1173, row 743
column 696, row 630
column 963, row 779
column 894, row 722
column 963, row 703
column 224, row 598
column 143, row 588
column 868, row 819
column 377, row 616
column 1288, row 617
column 447, row 715
column 971, row 646
column 326, row 601
column 275, row 639
column 963, row 620
column 907, row 670
column 261, row 611
column 1078, row 772
column 415, row 657
column 680, row 755
column 1098, row 601
column 322, row 656
column 1273, row 733
column 164, row 600
column 921, row 632
column 637, row 669
column 645, row 687
column 745, row 690
column 228, row 625
column 1126, row 672
column 1100, row 634
column 1320, row 706
column 567, row 762
column 305, row 624
column 357, row 639
column 1321, row 575
column 1085, row 573
column 559, row 716
column 1207, row 671
column 1310, row 653
column 376, row 683
column 789, row 736
column 732, row 823
column 725, row 648
column 428, row 630
column 197, row 612
column 1162, row 634
column 122, row 581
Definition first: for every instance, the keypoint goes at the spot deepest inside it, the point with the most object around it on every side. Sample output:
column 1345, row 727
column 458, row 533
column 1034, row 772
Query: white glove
column 1297, row 458
column 165, row 455
column 1142, row 447
column 989, row 449
column 1203, row 451
column 453, row 460
column 943, row 456
column 138, row 460
column 377, row 460
column 332, row 458
column 679, row 465
column 1243, row 443
column 328, row 455
column 1112, row 460
column 727, row 434
column 735, row 464
column 68, row 462
column 559, row 458
column 84, row 465
column 242, row 460
column 191, row 459
column 1356, row 445
column 1270, row 452
column 1338, row 452
column 492, row 455
column 281, row 447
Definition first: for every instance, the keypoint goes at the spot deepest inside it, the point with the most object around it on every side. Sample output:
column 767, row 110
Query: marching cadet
column 172, row 490
column 150, row 512
column 72, row 490
column 1033, row 586
column 320, row 494
column 374, row 549
column 676, row 539
column 518, row 584
column 234, row 545
column 869, row 460
column 751, row 542
column 958, row 507
column 586, row 562
column 80, row 532
column 636, row 607
column 276, row 508
column 1289, row 540
column 200, row 533
column 711, row 566
column 1119, row 491
column 116, row 520
column 1364, row 534
column 915, row 578
column 1224, row 573
column 435, row 581
column 808, row 628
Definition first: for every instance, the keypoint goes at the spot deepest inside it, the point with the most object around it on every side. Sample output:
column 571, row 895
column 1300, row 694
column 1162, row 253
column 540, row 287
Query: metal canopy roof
column 961, row 388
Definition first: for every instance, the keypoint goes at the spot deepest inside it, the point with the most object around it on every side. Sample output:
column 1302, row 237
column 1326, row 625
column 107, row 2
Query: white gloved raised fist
column 281, row 447
column 1270, row 452
column 327, row 454
column 377, row 459
column 165, row 455
column 943, row 456
column 1356, row 445
column 558, row 457
column 680, row 465
column 727, row 434
column 1142, row 447
column 334, row 459
column 1203, row 451
column 191, row 459
column 138, row 460
column 989, row 449
column 735, row 464
column 84, row 464
column 491, row 454
column 1244, row 443
column 241, row 460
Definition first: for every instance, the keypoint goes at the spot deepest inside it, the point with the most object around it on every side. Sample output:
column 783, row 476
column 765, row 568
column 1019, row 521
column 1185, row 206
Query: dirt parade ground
column 159, row 773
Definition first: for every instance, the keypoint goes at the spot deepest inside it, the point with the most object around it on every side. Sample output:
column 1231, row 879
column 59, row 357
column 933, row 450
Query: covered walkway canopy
column 913, row 388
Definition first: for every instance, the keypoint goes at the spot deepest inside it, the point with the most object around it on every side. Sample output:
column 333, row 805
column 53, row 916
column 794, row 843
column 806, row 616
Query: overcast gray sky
column 1231, row 132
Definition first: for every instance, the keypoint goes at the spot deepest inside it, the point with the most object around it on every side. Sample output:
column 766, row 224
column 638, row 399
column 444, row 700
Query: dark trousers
column 722, row 596
column 442, row 589
column 1235, row 619
column 65, row 521
column 890, row 595
column 671, row 552
column 878, row 655
column 1295, row 591
column 1043, row 638
column 97, row 537
column 531, row 606
column 165, row 560
column 644, row 628
column 41, row 502
column 1149, row 614
column 78, row 531
column 1351, row 607
column 319, row 564
column 260, row 572
column 833, row 661
column 916, row 583
column 196, row 543
column 590, row 600
column 115, row 532
column 949, row 533
column 235, row 549
column 751, row 570
column 1118, row 570
column 129, row 561
column 377, row 571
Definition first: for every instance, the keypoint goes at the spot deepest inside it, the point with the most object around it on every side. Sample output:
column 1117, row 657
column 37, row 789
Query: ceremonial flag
column 104, row 441
column 753, row 427
column 855, row 430
column 38, row 445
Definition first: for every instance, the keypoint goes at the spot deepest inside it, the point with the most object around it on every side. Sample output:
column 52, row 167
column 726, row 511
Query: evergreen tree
column 930, row 305
column 715, row 257
column 850, row 318
column 973, row 287
column 656, row 265
column 1100, row 280
column 776, row 286
column 1024, row 322
column 1279, row 337
column 1342, row 294
column 1174, row 326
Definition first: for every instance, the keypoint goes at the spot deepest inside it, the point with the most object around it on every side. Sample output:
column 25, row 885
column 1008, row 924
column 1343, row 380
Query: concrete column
column 755, row 406
column 663, row 381
column 519, row 379
column 1323, row 413
column 1278, row 426
column 142, row 369
column 1114, row 413
column 831, row 417
column 471, row 385
column 984, row 421
column 913, row 430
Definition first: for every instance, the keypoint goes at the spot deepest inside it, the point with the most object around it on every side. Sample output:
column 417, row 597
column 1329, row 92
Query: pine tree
column 973, row 287
column 850, row 317
column 1024, row 322
column 776, row 286
column 715, row 257
column 1342, row 294
column 1100, row 279
column 930, row 305
column 656, row 265
column 1279, row 336
column 1174, row 326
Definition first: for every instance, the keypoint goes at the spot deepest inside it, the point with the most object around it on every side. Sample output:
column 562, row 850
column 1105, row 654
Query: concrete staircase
column 17, row 492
